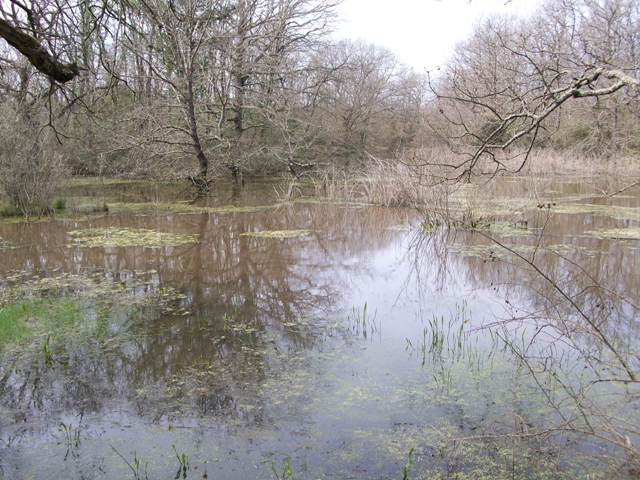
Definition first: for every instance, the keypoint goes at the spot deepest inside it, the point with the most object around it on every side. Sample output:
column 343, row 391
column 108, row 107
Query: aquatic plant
column 138, row 467
column 72, row 437
column 182, row 207
column 627, row 233
column 407, row 466
column 46, row 351
column 617, row 212
column 129, row 237
column 287, row 470
column 183, row 461
column 276, row 233
column 32, row 308
column 363, row 324
column 21, row 319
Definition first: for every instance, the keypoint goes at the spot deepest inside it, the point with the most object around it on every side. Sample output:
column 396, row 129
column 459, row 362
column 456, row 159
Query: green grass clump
column 25, row 319
column 59, row 203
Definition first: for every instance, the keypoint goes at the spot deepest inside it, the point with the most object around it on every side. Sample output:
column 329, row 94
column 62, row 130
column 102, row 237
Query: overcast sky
column 422, row 33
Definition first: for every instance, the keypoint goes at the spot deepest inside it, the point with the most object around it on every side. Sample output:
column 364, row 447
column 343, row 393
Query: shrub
column 31, row 165
column 59, row 203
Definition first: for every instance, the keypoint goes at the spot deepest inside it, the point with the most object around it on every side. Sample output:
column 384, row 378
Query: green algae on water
column 276, row 233
column 493, row 251
column 129, row 237
column 239, row 209
column 399, row 228
column 629, row 233
column 6, row 245
column 616, row 212
column 182, row 207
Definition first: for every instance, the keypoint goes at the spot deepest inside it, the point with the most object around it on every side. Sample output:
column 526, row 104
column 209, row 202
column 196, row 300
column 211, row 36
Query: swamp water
column 247, row 337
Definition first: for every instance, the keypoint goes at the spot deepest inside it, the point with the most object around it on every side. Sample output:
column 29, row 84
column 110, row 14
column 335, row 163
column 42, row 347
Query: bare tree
column 169, row 42
column 504, row 90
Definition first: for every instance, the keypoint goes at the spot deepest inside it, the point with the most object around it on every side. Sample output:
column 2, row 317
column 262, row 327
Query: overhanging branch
column 39, row 57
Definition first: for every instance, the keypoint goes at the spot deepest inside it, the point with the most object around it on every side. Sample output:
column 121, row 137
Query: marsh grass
column 333, row 185
column 183, row 461
column 138, row 466
column 78, row 181
column 576, row 162
column 182, row 207
column 363, row 323
column 285, row 472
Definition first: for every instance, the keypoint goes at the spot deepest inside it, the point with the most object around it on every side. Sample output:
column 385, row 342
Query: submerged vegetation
column 629, row 233
column 277, row 233
column 129, row 237
column 28, row 318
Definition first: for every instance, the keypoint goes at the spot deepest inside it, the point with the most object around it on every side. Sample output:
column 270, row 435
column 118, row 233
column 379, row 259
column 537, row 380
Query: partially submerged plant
column 183, row 461
column 138, row 467
column 287, row 470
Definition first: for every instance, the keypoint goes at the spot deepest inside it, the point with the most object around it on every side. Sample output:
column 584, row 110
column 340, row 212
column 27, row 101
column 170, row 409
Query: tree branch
column 39, row 57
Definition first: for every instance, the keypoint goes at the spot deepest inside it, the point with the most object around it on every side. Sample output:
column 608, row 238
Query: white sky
column 422, row 33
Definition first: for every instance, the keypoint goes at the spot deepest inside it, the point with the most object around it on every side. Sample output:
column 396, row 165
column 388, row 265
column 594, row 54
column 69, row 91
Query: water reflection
column 251, row 303
column 257, row 354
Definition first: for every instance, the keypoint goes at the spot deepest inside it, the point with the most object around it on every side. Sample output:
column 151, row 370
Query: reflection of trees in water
column 252, row 301
column 569, row 320
column 596, row 272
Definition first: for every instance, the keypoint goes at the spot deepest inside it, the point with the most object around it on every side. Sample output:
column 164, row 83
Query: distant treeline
column 207, row 87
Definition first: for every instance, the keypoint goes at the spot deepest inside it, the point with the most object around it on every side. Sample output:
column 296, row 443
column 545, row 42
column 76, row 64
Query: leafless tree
column 505, row 89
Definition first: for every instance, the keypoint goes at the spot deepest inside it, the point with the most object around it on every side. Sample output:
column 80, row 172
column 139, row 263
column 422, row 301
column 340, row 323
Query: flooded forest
column 235, row 245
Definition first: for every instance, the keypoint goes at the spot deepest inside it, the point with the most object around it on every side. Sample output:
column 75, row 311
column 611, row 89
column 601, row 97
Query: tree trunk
column 238, row 125
column 200, row 181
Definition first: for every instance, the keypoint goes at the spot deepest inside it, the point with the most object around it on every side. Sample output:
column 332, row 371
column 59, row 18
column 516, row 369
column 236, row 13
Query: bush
column 59, row 203
column 31, row 165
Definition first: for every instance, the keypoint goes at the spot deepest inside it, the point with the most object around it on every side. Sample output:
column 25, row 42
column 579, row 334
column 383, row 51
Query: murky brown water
column 250, row 354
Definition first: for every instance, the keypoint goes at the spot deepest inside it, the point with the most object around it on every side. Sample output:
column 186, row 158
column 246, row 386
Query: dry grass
column 396, row 184
column 573, row 162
